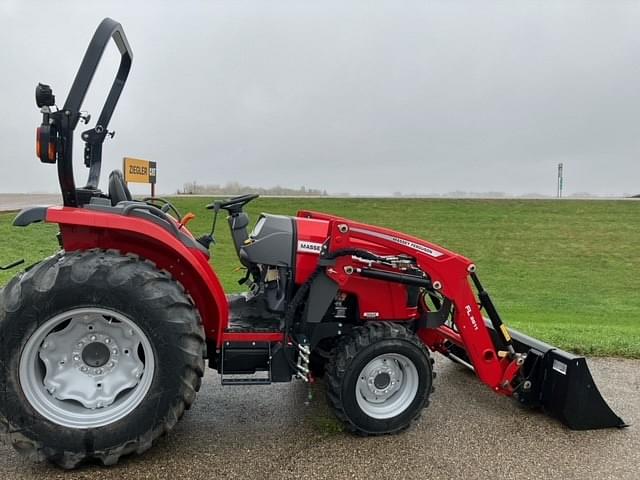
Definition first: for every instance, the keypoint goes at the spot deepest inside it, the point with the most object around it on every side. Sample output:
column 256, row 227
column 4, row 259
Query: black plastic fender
column 30, row 215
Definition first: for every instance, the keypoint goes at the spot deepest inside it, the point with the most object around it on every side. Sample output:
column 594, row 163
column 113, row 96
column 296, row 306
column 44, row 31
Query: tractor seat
column 120, row 198
column 118, row 191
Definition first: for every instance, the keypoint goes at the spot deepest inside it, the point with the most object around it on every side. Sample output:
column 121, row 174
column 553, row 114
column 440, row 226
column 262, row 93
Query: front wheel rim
column 387, row 386
column 86, row 368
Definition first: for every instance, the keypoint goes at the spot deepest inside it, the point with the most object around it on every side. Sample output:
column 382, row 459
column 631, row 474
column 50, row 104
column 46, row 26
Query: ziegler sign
column 139, row 171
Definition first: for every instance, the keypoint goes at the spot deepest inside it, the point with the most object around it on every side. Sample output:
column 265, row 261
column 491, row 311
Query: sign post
column 560, row 179
column 140, row 171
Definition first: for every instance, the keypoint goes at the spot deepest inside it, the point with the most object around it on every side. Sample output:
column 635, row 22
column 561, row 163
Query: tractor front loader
column 103, row 345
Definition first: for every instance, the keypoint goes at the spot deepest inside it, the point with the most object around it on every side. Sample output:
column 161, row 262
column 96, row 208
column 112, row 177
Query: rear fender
column 85, row 229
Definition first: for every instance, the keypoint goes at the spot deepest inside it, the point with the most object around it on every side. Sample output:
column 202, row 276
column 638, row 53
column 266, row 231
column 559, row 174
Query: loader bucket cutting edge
column 562, row 385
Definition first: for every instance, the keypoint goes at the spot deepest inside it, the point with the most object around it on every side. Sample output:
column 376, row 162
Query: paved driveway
column 467, row 432
column 18, row 201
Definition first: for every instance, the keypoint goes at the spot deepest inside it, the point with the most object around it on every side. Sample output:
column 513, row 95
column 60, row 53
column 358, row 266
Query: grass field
column 567, row 272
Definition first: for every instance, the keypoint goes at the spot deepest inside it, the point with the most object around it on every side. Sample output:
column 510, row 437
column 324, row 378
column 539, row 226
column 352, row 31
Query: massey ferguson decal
column 417, row 246
column 309, row 247
column 401, row 241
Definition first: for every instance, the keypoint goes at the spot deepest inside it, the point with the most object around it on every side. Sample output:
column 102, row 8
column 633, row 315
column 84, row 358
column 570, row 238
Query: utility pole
column 560, row 179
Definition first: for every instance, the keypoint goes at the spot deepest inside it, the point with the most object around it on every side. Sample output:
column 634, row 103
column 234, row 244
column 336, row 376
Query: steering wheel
column 234, row 204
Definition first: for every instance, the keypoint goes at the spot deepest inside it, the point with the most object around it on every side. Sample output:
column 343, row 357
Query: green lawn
column 566, row 272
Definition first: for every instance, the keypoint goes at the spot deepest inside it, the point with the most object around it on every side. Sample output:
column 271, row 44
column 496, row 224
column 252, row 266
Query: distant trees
column 236, row 188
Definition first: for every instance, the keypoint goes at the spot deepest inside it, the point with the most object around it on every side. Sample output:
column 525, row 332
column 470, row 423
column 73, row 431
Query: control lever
column 207, row 240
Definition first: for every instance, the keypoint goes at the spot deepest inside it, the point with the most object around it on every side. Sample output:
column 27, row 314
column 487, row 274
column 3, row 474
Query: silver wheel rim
column 387, row 386
column 86, row 368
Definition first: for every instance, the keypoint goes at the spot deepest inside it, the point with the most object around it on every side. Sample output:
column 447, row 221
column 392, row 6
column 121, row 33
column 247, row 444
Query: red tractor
column 103, row 345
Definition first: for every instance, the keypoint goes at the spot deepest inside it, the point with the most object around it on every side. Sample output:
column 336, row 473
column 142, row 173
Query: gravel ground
column 467, row 432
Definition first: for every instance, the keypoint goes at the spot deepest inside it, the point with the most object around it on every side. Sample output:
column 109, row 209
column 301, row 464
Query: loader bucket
column 561, row 384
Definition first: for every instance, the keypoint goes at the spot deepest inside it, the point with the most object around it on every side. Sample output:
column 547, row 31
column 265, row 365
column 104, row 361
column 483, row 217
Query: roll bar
column 67, row 119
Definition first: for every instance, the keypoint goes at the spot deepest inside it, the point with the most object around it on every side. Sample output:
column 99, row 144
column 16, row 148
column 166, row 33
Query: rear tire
column 379, row 379
column 67, row 403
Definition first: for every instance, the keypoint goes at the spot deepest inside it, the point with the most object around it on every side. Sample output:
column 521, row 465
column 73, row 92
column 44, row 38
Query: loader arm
column 447, row 271
column 507, row 361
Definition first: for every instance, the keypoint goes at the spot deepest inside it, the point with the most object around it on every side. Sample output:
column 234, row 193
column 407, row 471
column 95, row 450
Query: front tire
column 100, row 354
column 379, row 379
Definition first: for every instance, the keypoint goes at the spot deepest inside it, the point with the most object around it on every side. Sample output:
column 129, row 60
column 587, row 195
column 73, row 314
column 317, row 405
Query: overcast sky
column 362, row 97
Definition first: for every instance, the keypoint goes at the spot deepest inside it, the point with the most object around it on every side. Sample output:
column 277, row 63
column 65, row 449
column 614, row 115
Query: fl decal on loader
column 103, row 345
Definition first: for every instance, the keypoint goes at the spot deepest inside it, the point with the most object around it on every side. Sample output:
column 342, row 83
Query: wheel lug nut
column 80, row 345
column 114, row 351
column 92, row 338
column 98, row 371
column 107, row 340
column 110, row 364
column 83, row 368
column 76, row 357
column 131, row 331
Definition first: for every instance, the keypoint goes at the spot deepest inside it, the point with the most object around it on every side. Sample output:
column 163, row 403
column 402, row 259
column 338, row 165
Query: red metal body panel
column 311, row 235
column 85, row 229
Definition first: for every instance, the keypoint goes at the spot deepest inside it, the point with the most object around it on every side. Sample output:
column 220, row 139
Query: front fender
column 83, row 229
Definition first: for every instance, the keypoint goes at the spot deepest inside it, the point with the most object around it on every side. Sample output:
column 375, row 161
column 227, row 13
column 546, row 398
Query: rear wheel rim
column 387, row 386
column 86, row 368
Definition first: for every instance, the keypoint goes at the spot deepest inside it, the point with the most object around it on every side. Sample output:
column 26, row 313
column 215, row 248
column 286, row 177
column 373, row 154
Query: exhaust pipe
column 561, row 384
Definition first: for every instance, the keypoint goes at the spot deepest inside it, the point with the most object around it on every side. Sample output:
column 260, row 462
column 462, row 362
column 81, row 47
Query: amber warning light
column 45, row 145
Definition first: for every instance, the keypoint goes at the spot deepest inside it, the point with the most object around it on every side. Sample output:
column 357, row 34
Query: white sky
column 348, row 96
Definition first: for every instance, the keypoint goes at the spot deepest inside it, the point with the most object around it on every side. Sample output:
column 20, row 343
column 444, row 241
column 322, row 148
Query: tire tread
column 85, row 266
column 348, row 347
